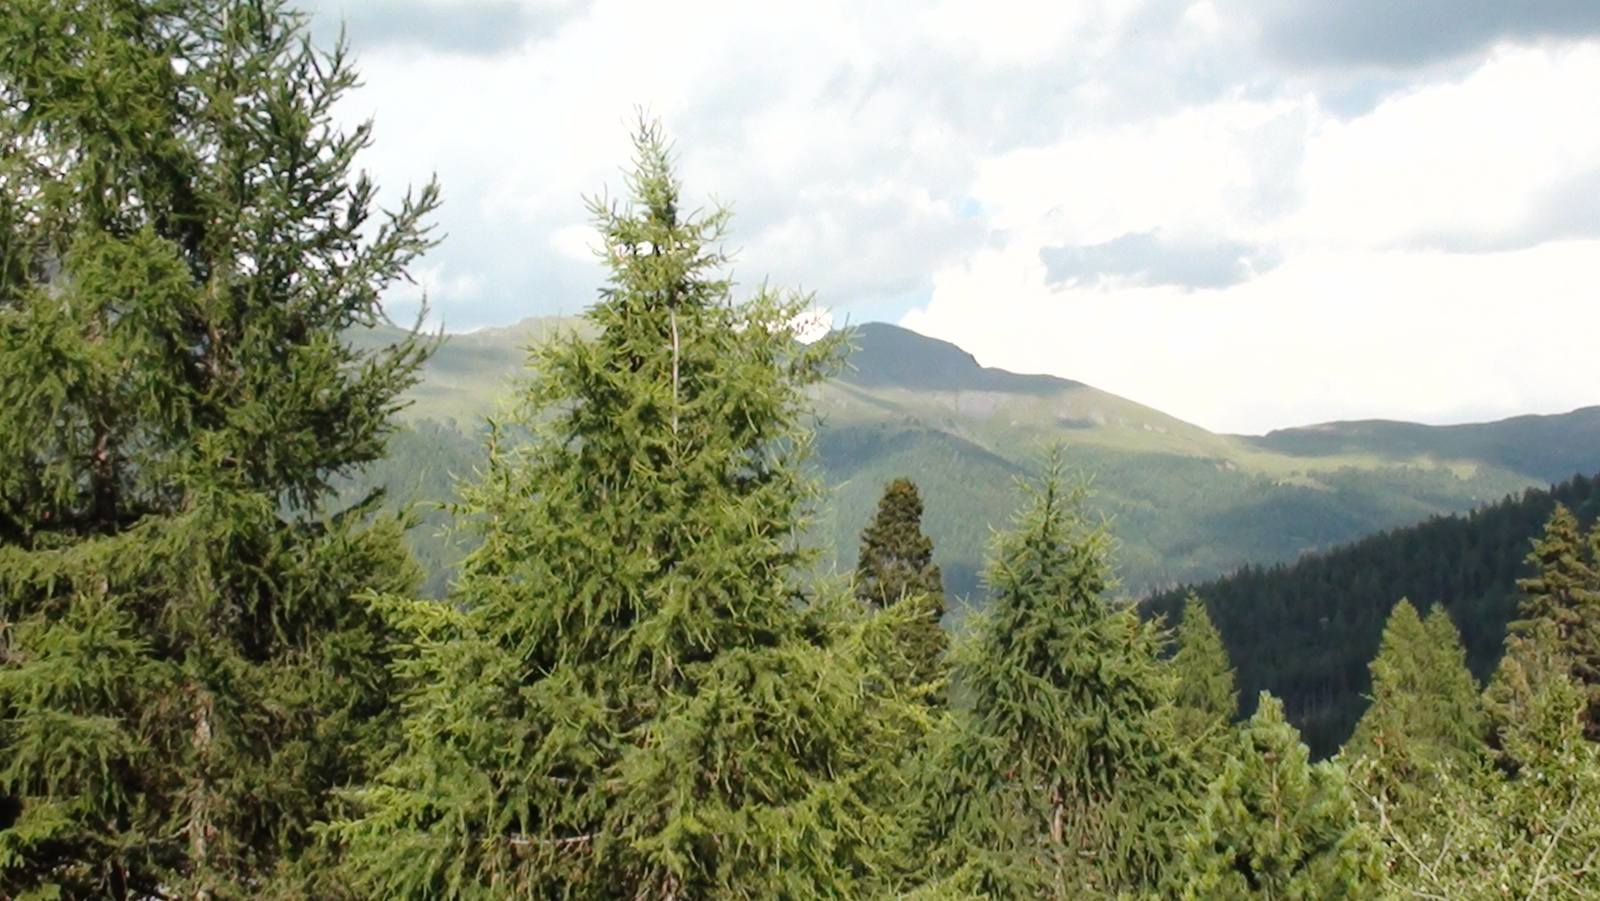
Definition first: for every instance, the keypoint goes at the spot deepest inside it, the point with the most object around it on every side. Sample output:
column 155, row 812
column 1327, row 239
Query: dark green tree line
column 1306, row 630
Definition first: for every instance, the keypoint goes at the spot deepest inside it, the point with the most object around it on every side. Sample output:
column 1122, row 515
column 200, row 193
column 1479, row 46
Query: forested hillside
column 1184, row 504
column 222, row 679
column 1306, row 630
column 1550, row 447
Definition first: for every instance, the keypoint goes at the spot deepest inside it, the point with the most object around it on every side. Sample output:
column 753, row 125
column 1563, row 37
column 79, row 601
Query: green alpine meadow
column 678, row 599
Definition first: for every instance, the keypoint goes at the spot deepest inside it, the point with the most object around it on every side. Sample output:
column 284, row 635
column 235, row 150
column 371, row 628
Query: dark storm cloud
column 1148, row 258
column 1410, row 33
column 472, row 28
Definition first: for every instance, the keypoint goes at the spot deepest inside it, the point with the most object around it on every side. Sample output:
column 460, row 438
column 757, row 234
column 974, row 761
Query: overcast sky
column 1247, row 213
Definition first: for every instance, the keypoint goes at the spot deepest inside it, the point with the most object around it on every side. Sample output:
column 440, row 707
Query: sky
column 1250, row 214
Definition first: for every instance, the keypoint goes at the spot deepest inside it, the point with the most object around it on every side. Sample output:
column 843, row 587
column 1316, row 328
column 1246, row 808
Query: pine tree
column 629, row 695
column 1274, row 825
column 184, row 674
column 896, row 568
column 1062, row 780
column 1206, row 700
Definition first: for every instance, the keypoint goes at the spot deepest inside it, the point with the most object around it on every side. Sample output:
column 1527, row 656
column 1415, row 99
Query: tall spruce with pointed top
column 1062, row 777
column 629, row 694
column 1425, row 721
column 896, row 567
column 184, row 674
column 1561, row 610
column 1207, row 700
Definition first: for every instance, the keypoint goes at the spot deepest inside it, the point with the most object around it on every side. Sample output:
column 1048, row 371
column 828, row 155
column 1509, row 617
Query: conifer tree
column 1063, row 778
column 629, row 695
column 184, row 674
column 1206, row 700
column 1274, row 825
column 1425, row 712
column 1562, row 607
column 1530, row 826
column 1531, row 832
column 896, row 567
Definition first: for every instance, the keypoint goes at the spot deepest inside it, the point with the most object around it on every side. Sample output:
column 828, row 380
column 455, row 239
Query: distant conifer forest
column 220, row 677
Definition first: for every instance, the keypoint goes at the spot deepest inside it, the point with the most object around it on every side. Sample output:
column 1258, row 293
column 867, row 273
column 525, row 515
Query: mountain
column 1185, row 504
column 1550, row 447
column 1307, row 630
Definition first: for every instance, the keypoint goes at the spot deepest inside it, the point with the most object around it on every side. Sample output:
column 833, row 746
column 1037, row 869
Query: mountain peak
column 890, row 356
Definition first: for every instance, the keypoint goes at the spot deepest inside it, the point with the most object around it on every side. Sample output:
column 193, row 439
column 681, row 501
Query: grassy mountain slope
column 1185, row 504
column 1550, row 447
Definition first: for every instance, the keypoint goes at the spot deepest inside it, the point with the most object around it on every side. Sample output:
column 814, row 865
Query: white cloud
column 1420, row 335
column 880, row 153
column 577, row 242
column 1463, row 160
column 1199, row 170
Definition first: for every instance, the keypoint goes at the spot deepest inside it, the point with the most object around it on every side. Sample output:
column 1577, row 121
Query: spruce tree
column 185, row 674
column 1562, row 606
column 1529, row 826
column 1530, row 832
column 896, row 568
column 1274, row 825
column 1062, row 776
column 1425, row 711
column 1206, row 700
column 629, row 694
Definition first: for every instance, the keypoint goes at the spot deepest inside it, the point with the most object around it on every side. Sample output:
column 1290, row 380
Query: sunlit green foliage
column 1274, row 825
column 630, row 694
column 1206, row 700
column 1527, row 826
column 184, row 674
column 1561, row 607
column 1528, row 832
column 1425, row 718
column 1062, row 778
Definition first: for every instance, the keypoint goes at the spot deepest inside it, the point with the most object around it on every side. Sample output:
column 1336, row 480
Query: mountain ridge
column 1184, row 503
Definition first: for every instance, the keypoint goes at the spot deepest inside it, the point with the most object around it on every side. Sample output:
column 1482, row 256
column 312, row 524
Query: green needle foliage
column 1561, row 609
column 1490, row 834
column 629, row 695
column 1206, row 700
column 184, row 676
column 1276, row 826
column 1063, row 777
column 896, row 568
column 1425, row 718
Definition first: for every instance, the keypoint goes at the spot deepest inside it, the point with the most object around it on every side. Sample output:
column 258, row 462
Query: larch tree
column 185, row 675
column 896, row 568
column 1418, row 755
column 629, row 693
